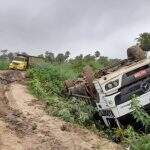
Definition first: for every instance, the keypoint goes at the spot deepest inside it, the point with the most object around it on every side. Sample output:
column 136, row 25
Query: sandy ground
column 24, row 125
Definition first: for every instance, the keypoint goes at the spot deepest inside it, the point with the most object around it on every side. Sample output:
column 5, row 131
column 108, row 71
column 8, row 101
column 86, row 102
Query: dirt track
column 24, row 125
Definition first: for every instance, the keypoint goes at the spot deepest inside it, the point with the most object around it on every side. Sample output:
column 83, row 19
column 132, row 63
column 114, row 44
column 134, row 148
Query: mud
column 24, row 125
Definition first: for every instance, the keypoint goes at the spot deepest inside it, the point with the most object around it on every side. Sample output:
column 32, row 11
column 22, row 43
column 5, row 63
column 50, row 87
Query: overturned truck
column 112, row 88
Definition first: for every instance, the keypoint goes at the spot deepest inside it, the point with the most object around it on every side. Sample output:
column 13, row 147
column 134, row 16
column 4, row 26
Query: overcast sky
column 81, row 26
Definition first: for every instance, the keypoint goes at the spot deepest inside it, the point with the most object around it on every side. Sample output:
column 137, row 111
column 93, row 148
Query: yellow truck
column 22, row 62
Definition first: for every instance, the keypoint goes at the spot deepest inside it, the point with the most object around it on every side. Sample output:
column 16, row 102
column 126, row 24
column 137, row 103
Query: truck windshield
column 20, row 59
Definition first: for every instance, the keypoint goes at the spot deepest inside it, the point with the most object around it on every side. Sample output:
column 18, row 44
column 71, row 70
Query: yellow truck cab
column 19, row 63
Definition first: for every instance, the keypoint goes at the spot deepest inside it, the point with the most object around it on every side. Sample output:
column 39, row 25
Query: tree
column 24, row 53
column 10, row 55
column 80, row 57
column 89, row 57
column 144, row 41
column 41, row 56
column 97, row 54
column 4, row 53
column 60, row 58
column 103, row 60
column 49, row 56
column 67, row 54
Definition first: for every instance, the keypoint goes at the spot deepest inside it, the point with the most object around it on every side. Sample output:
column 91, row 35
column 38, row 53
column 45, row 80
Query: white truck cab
column 116, row 89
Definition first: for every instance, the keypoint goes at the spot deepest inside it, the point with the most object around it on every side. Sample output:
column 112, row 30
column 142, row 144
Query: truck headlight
column 111, row 85
column 11, row 65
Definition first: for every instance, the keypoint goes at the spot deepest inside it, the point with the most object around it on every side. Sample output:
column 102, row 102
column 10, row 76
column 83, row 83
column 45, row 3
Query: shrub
column 139, row 114
column 4, row 64
column 46, row 82
column 138, row 141
column 51, row 77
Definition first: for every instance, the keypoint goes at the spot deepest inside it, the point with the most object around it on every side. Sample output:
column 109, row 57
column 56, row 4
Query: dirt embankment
column 24, row 125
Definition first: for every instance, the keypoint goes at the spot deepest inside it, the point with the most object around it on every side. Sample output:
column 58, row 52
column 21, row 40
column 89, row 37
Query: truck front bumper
column 17, row 67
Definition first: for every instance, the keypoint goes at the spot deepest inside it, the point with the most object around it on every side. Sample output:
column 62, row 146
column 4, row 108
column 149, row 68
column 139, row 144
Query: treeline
column 96, row 61
column 52, row 57
column 6, row 54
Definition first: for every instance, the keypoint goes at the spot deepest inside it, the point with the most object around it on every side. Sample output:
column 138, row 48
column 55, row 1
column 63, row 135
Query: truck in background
column 22, row 62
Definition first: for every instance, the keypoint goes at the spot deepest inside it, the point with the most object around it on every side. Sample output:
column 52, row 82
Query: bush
column 51, row 77
column 138, row 141
column 129, row 137
column 4, row 64
column 46, row 82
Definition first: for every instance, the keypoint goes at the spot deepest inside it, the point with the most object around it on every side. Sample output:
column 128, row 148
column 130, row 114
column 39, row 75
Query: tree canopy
column 144, row 41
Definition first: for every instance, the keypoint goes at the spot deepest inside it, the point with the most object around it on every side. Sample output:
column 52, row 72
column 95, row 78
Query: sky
column 80, row 26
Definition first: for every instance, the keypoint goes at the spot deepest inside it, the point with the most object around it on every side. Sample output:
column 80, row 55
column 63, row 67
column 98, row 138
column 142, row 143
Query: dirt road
column 24, row 125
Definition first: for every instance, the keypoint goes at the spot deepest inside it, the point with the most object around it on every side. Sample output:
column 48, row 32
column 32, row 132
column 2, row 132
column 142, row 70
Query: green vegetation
column 47, row 83
column 4, row 64
column 138, row 141
column 139, row 114
column 144, row 41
